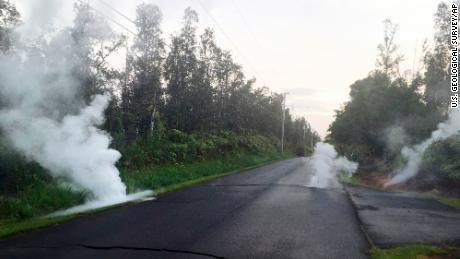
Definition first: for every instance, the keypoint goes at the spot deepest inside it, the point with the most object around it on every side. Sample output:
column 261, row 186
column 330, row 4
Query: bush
column 442, row 159
column 27, row 190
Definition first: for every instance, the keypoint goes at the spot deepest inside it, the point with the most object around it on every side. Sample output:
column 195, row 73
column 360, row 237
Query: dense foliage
column 388, row 110
column 442, row 160
column 178, row 101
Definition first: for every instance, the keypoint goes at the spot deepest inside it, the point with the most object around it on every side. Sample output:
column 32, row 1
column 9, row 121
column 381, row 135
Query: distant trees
column 187, row 83
column 184, row 85
column 437, row 63
column 9, row 20
column 388, row 111
column 193, row 86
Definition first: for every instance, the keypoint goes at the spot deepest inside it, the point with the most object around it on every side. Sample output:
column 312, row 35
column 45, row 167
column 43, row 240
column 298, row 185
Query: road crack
column 95, row 247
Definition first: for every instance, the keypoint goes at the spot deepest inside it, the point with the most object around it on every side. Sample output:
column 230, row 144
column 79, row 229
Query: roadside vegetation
column 453, row 202
column 391, row 109
column 181, row 110
column 22, row 212
column 416, row 252
column 28, row 191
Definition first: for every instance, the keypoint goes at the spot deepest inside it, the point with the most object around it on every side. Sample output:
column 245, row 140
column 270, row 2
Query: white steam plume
column 42, row 118
column 414, row 154
column 326, row 164
column 38, row 122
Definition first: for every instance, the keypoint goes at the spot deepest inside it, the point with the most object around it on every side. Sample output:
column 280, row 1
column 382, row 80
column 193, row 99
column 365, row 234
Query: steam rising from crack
column 43, row 118
column 67, row 143
column 326, row 165
column 414, row 154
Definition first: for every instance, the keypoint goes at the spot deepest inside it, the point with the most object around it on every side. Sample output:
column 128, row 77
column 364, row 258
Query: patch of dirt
column 377, row 179
column 371, row 178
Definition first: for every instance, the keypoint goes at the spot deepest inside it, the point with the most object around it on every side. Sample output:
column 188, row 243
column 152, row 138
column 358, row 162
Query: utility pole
column 283, row 110
column 311, row 140
column 304, row 131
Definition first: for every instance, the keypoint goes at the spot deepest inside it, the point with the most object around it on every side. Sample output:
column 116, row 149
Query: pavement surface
column 266, row 212
column 392, row 219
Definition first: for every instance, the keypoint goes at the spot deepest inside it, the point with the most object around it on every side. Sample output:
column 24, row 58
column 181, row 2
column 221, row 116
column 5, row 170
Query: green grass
column 174, row 176
column 11, row 227
column 39, row 198
column 415, row 252
column 344, row 178
column 454, row 202
column 161, row 179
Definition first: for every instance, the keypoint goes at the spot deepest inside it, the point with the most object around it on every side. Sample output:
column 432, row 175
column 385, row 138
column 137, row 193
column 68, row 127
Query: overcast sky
column 312, row 49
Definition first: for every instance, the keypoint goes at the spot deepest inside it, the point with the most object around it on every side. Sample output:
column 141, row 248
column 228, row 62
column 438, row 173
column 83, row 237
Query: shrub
column 442, row 159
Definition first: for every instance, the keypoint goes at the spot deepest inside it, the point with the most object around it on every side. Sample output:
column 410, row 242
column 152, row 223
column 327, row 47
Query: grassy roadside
column 453, row 202
column 171, row 177
column 162, row 179
column 350, row 180
column 415, row 252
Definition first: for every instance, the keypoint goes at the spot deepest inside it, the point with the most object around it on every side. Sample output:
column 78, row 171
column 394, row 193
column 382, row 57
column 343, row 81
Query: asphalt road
column 266, row 212
column 399, row 218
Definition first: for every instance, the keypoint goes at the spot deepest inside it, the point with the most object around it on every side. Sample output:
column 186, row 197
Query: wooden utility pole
column 304, row 131
column 283, row 111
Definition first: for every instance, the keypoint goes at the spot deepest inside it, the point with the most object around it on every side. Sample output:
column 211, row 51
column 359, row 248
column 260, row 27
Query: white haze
column 93, row 204
column 68, row 144
column 43, row 119
column 414, row 154
column 326, row 165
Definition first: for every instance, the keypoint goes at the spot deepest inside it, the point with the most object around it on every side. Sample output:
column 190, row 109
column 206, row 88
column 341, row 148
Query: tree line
column 390, row 108
column 186, row 83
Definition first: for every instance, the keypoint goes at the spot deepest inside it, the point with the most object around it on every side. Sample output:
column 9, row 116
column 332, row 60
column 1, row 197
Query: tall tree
column 180, row 66
column 147, row 59
column 437, row 64
column 229, row 78
column 202, row 89
column 9, row 20
column 388, row 59
column 93, row 42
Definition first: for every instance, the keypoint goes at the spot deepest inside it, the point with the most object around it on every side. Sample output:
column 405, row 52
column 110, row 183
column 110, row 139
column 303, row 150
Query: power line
column 118, row 12
column 125, row 17
column 208, row 13
column 229, row 39
column 204, row 8
column 247, row 25
column 107, row 17
column 251, row 32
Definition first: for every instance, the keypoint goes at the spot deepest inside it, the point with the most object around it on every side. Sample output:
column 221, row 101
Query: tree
column 376, row 104
column 147, row 67
column 229, row 78
column 388, row 59
column 93, row 41
column 9, row 20
column 203, row 83
column 437, row 74
column 180, row 66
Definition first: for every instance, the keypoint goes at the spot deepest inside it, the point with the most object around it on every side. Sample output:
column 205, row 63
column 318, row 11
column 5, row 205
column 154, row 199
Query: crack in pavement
column 259, row 185
column 168, row 250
